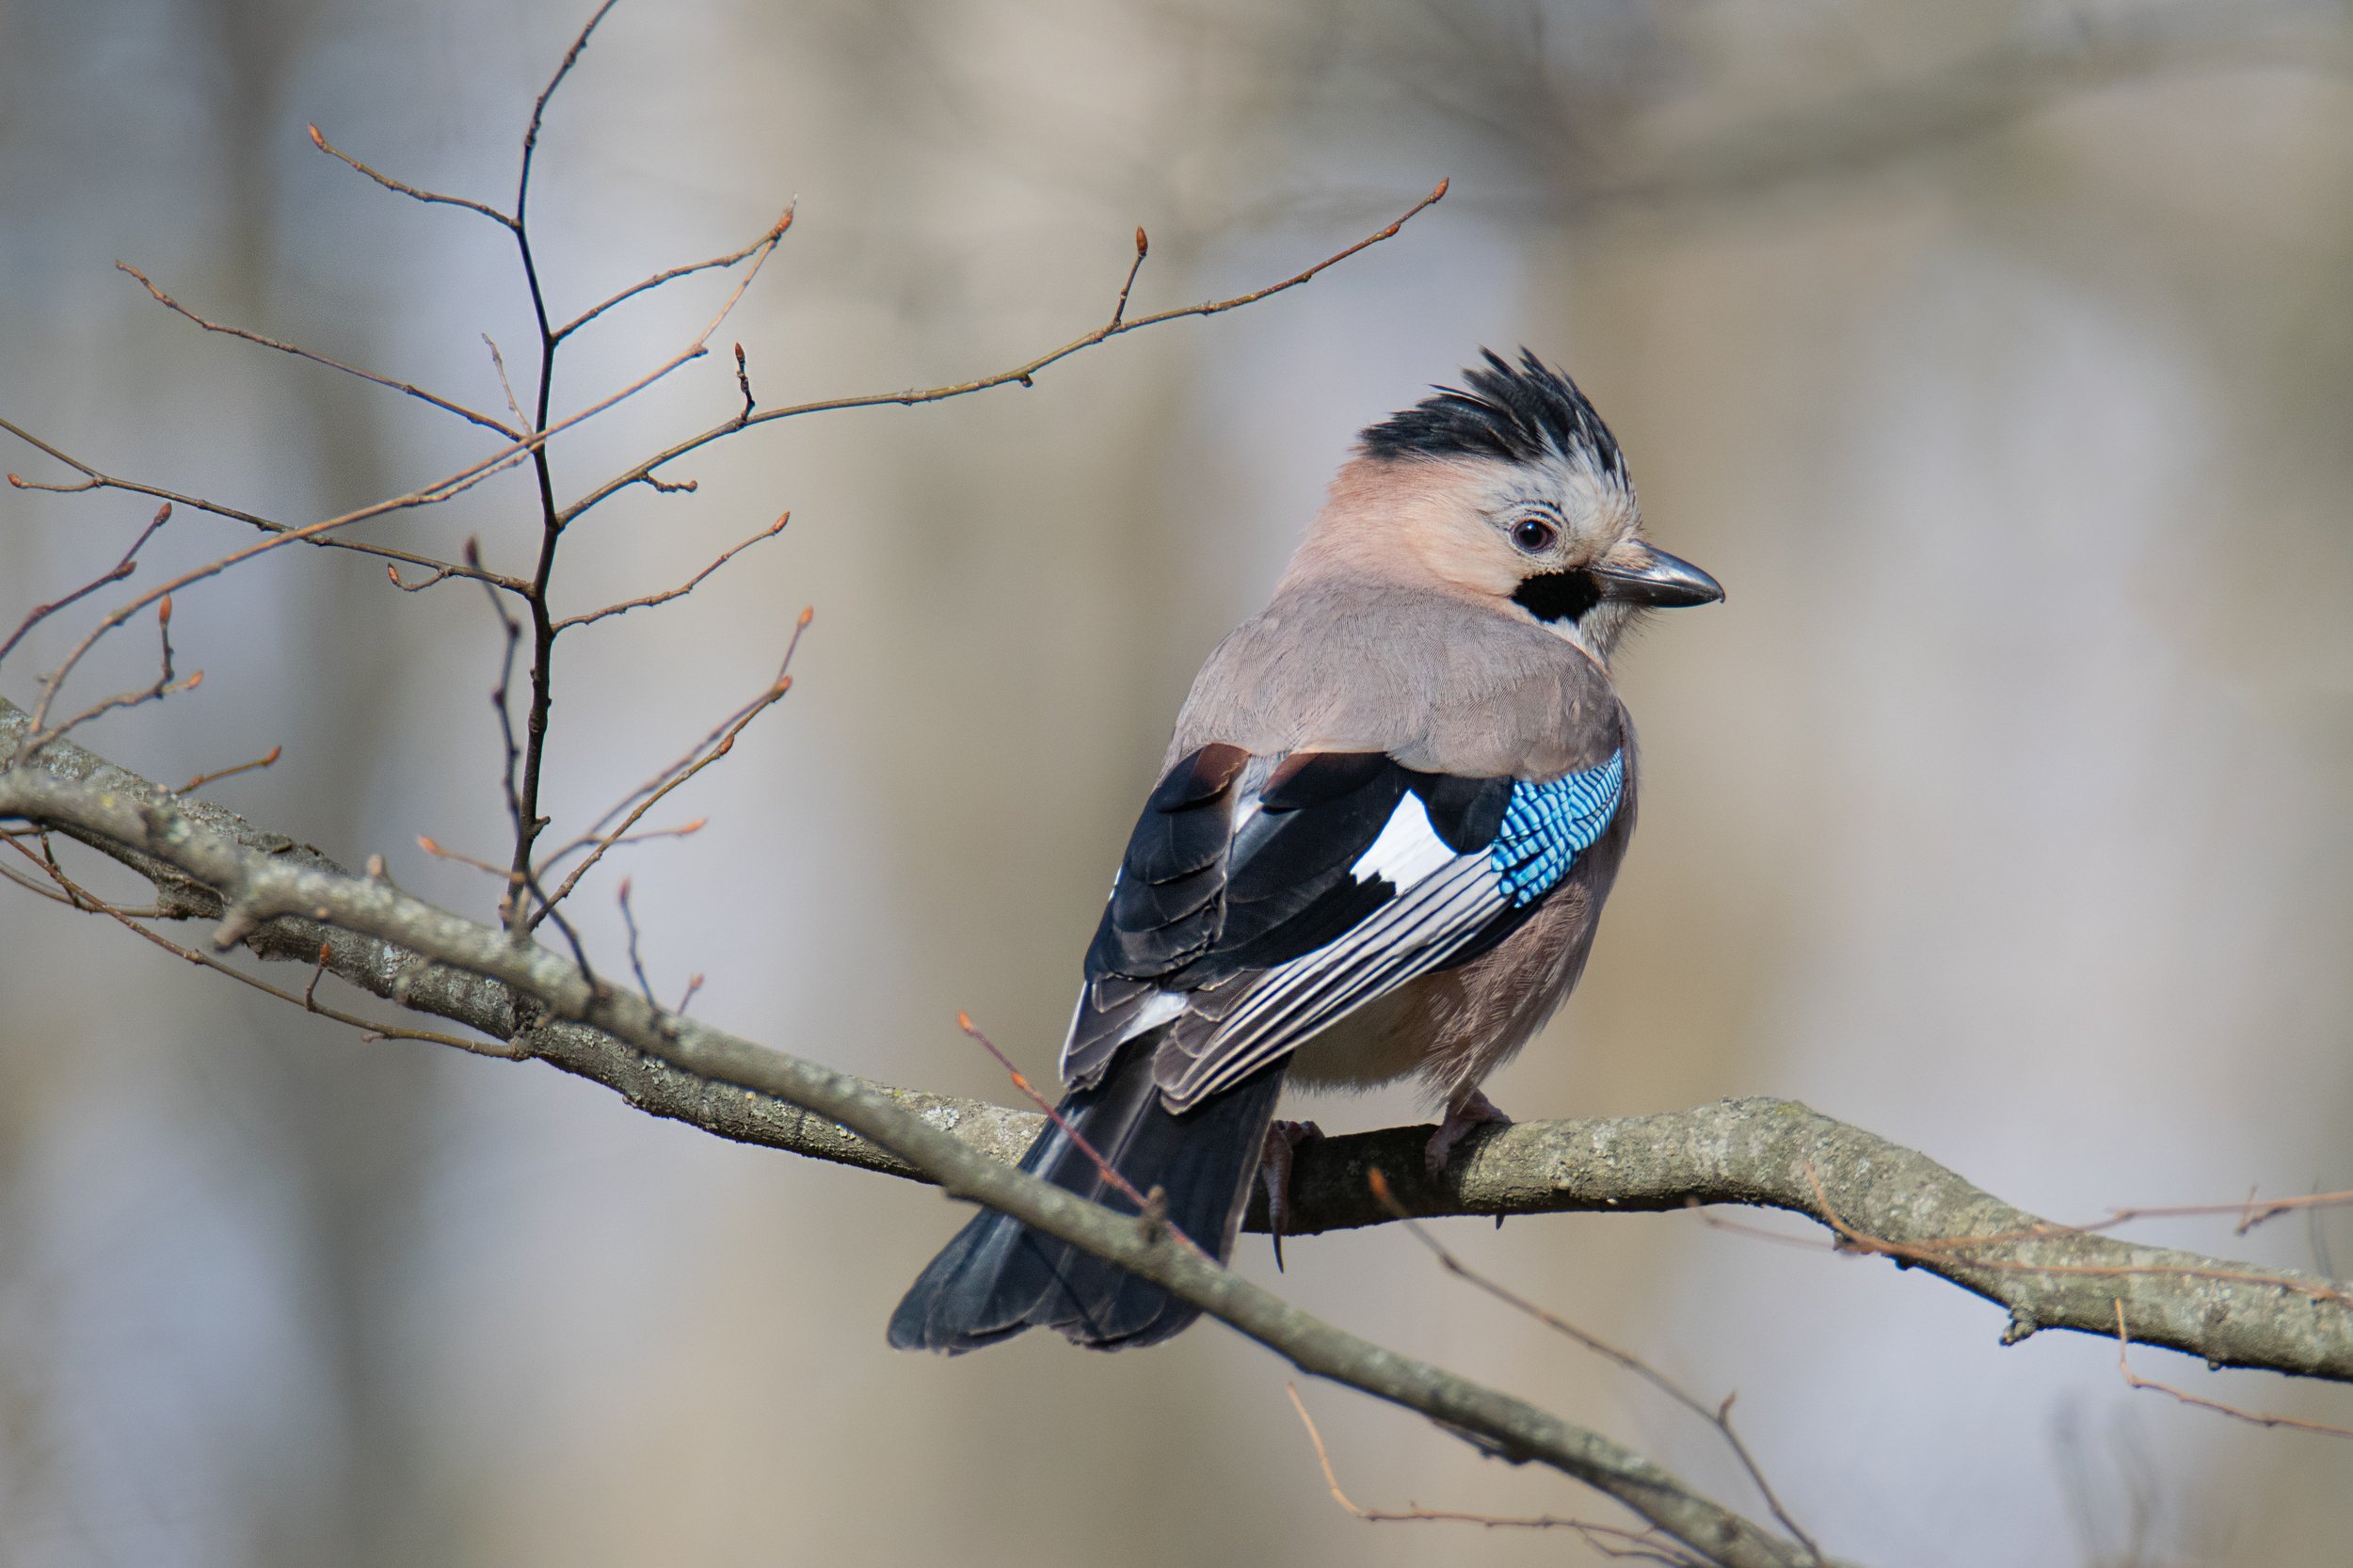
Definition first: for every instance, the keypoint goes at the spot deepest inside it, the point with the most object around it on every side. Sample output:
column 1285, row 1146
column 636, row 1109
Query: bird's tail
column 999, row 1277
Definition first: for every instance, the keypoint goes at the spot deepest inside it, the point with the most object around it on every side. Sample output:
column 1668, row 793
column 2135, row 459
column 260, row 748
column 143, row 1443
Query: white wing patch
column 1408, row 849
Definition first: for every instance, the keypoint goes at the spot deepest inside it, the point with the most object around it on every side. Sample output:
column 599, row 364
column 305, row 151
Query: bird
column 1392, row 806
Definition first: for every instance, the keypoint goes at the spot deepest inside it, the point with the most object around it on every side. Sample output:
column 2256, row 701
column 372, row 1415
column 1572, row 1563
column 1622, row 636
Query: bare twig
column 1109, row 1173
column 498, row 364
column 311, row 992
column 95, row 479
column 646, row 285
column 2124, row 1365
column 1020, row 375
column 81, row 897
column 122, row 569
column 445, row 405
column 553, row 519
column 683, row 589
column 219, row 774
column 647, row 796
column 636, row 966
column 166, row 683
column 1718, row 1415
column 511, row 908
column 1609, row 1540
column 439, row 491
column 442, row 852
column 1144, row 247
column 430, row 198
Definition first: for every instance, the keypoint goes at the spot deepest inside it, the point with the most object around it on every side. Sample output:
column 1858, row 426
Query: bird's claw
column 1274, row 1171
column 1472, row 1111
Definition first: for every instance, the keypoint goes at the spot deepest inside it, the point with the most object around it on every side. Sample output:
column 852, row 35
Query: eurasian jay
column 1393, row 805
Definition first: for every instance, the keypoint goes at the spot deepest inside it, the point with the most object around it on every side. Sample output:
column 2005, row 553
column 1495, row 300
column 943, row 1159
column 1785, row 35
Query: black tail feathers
column 999, row 1277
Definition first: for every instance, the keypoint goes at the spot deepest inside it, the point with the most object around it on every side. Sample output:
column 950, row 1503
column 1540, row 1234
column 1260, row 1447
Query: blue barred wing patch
column 1546, row 826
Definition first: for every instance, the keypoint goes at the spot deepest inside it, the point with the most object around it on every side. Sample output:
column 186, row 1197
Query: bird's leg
column 1468, row 1110
column 1274, row 1170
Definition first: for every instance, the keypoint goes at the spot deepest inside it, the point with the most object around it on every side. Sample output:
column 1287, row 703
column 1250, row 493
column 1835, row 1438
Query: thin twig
column 91, row 903
column 553, row 519
column 445, row 405
column 94, row 479
column 219, row 774
column 167, row 683
column 121, row 570
column 683, row 589
column 636, row 966
column 318, row 972
column 1718, row 1415
column 1020, row 375
column 2124, row 1365
column 431, row 198
column 511, row 910
column 498, row 363
column 442, row 852
column 1119, row 305
column 439, row 491
column 1151, row 1205
column 647, row 796
column 1611, row 1540
column 645, row 286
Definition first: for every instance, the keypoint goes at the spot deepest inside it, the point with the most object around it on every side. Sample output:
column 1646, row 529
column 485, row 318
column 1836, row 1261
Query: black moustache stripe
column 1558, row 595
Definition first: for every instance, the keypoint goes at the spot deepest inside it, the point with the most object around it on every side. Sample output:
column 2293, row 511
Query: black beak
column 1637, row 573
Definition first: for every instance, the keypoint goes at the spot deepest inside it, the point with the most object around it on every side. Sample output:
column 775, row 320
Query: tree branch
column 1878, row 1195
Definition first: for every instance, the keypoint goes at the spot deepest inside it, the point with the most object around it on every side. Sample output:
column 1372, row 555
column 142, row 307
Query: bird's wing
column 1257, row 904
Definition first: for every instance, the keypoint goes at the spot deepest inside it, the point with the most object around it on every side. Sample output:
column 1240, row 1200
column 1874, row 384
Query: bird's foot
column 1274, row 1170
column 1473, row 1110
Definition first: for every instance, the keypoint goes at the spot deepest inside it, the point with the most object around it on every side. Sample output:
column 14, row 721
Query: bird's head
column 1509, row 490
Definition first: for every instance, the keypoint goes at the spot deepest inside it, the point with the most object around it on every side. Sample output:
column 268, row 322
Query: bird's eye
column 1533, row 536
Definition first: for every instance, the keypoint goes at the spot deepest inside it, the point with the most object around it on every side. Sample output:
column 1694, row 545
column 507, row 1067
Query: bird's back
column 1440, row 684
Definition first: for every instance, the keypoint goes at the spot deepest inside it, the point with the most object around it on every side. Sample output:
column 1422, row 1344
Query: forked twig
column 717, row 744
column 121, row 570
column 167, row 683
column 646, row 285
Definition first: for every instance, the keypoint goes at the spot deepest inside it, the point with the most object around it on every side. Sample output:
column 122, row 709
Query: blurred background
column 1998, row 356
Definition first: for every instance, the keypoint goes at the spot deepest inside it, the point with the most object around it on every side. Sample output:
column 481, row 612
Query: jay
column 1393, row 805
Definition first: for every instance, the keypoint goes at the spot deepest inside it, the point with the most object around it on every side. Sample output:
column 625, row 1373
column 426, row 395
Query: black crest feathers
column 1522, row 413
